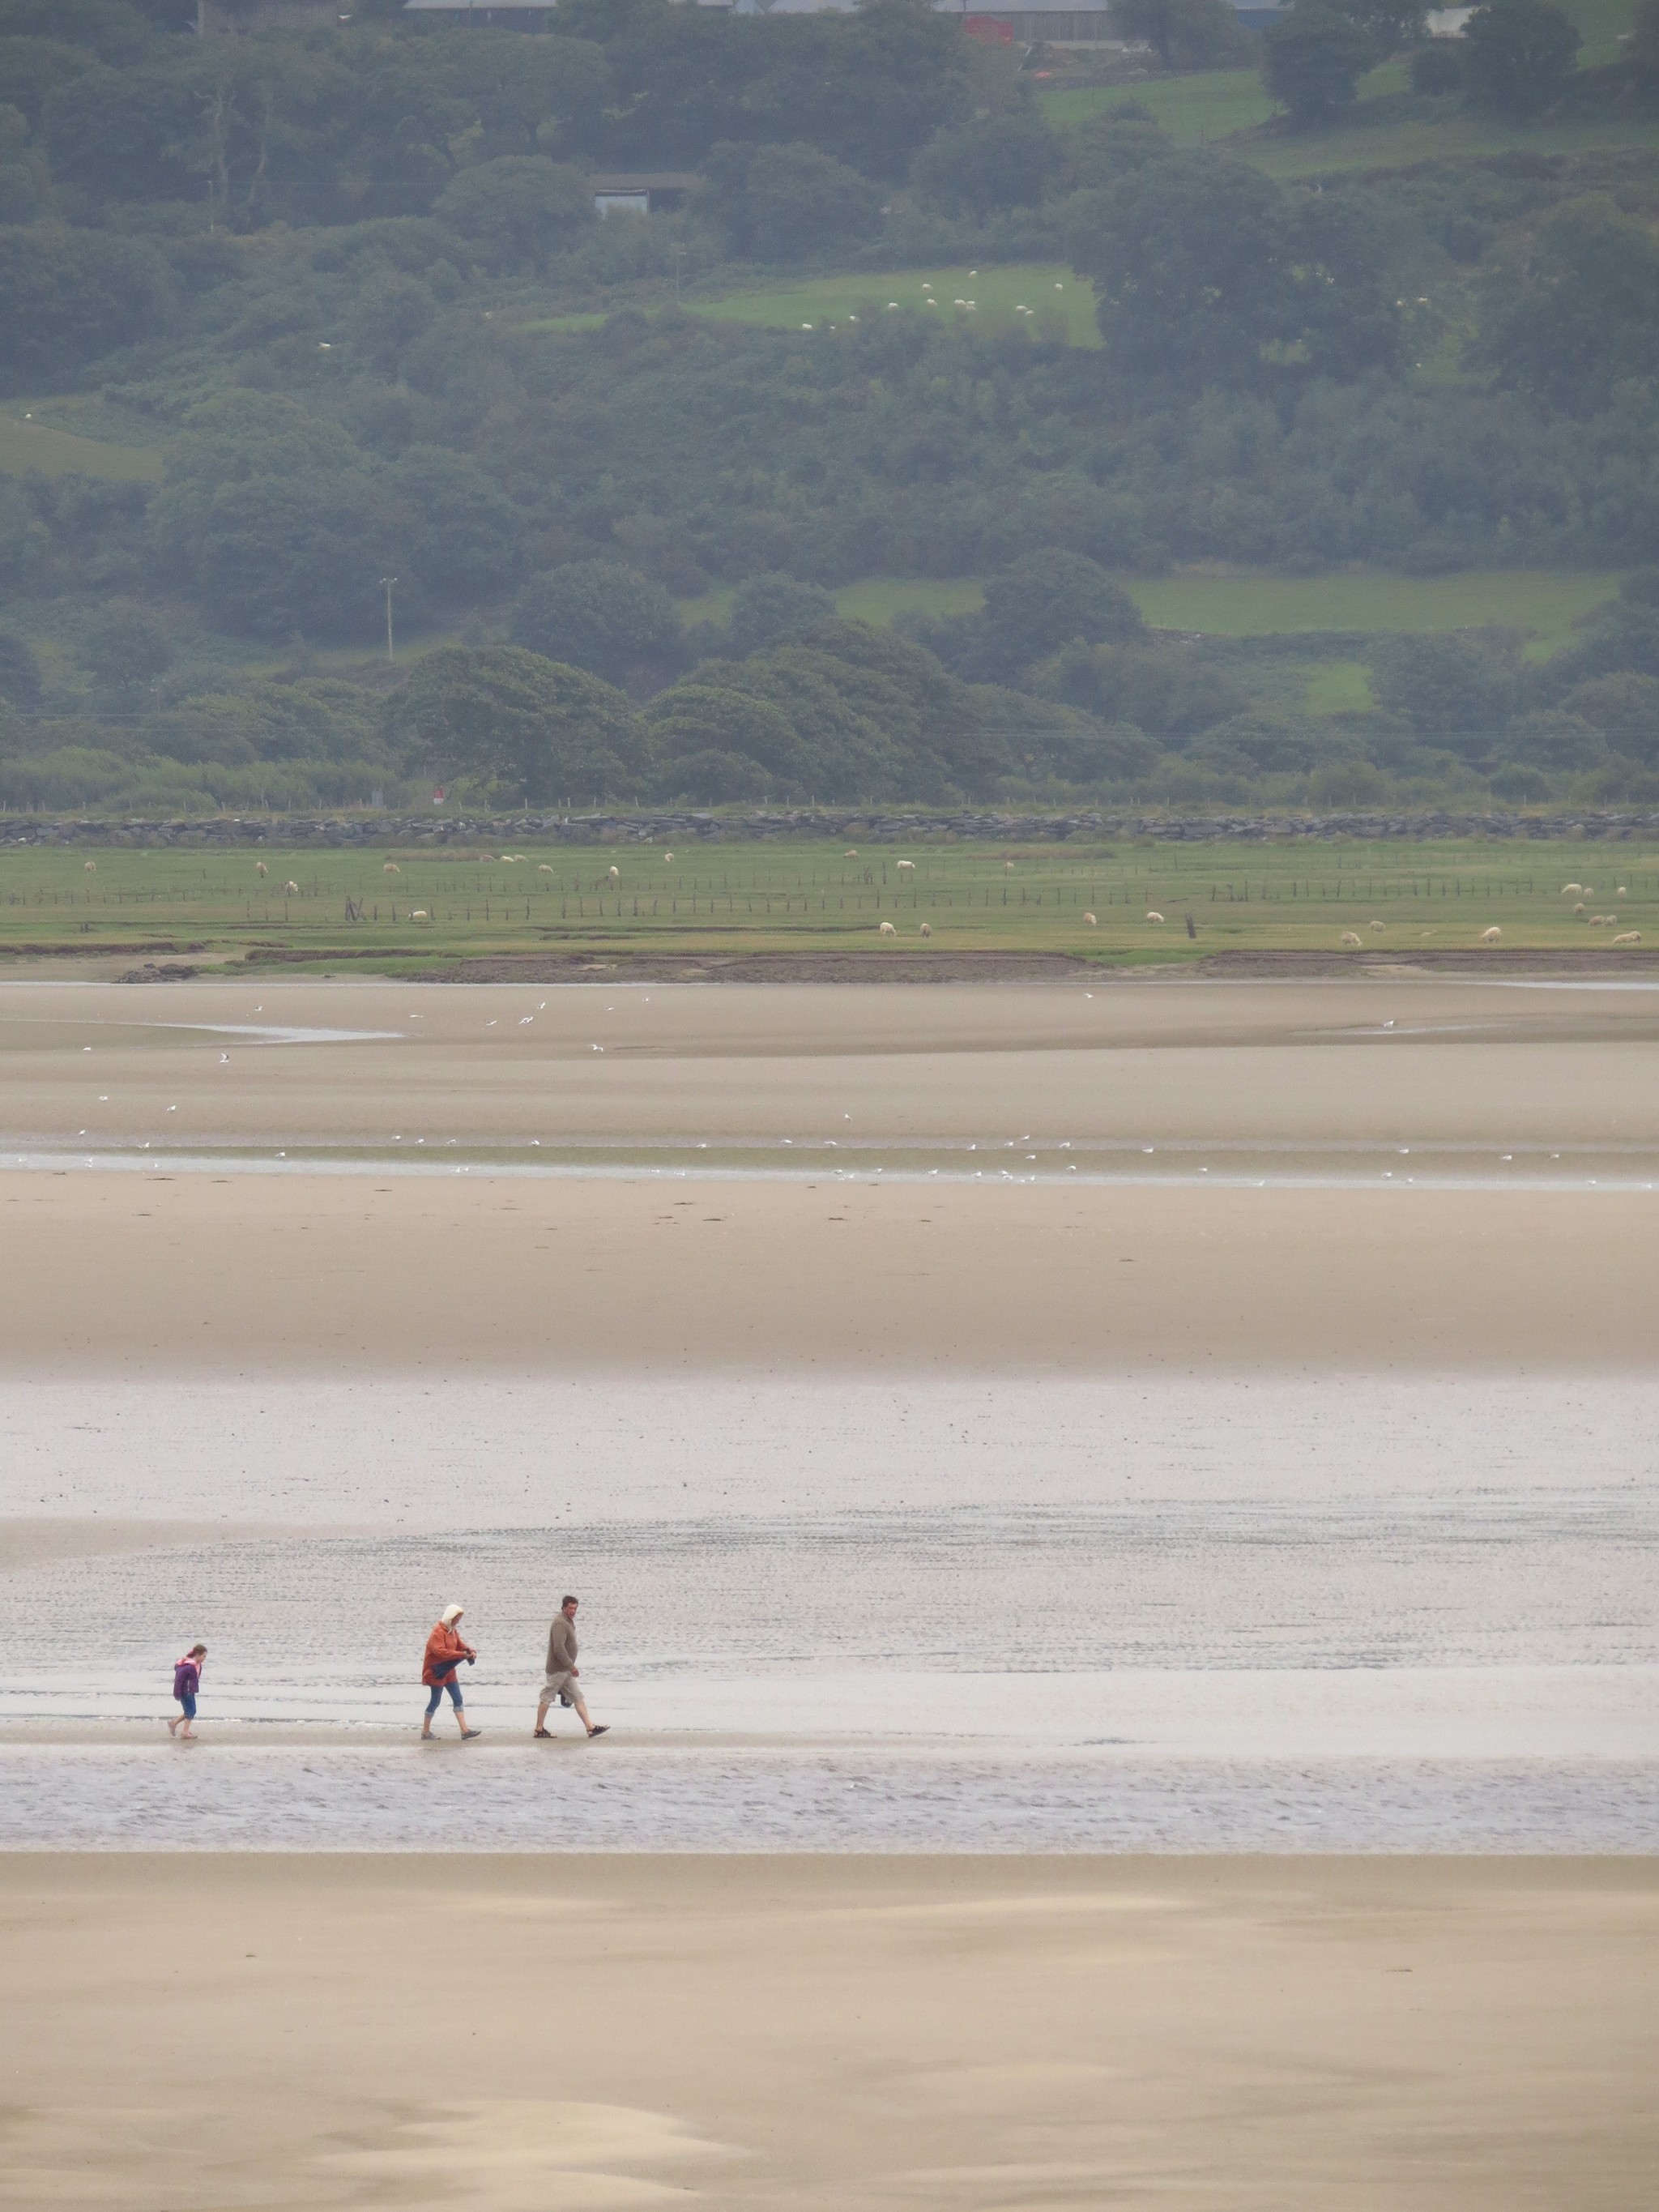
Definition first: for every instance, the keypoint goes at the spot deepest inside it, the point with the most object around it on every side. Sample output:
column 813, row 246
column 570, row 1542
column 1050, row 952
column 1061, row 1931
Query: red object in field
column 995, row 28
column 438, row 795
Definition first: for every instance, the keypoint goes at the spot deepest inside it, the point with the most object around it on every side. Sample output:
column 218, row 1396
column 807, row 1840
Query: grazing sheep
column 419, row 914
column 1622, row 892
column 545, row 869
column 1351, row 937
column 906, row 864
column 1579, row 906
column 1008, row 866
column 260, row 869
column 1093, row 923
column 1377, row 926
column 91, row 868
column 1154, row 915
column 1570, row 890
column 1491, row 936
column 888, row 930
column 851, row 854
column 927, row 928
column 1589, row 891
column 668, row 860
column 294, row 888
column 390, row 868
column 616, row 875
column 1629, row 937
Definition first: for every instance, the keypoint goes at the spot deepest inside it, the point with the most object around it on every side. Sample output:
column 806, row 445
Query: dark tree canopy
column 528, row 729
column 1519, row 55
column 600, row 615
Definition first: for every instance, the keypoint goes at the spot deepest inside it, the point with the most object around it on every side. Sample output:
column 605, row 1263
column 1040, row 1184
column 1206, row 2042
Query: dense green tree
column 1207, row 272
column 1550, row 738
column 1572, row 314
column 771, row 610
column 714, row 745
column 530, row 730
column 511, row 214
column 990, row 164
column 1624, row 709
column 1185, row 34
column 781, row 203
column 19, row 670
column 1438, row 67
column 125, row 646
column 601, row 615
column 67, row 297
column 1313, row 57
column 110, row 29
column 34, row 67
column 1519, row 55
column 464, row 535
column 1456, row 691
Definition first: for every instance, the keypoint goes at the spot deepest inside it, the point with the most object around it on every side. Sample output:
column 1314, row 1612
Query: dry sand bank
column 1286, row 1062
column 574, row 2036
column 331, row 1275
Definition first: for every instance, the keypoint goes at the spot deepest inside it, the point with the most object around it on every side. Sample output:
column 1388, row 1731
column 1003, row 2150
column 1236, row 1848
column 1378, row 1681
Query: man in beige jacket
column 562, row 1671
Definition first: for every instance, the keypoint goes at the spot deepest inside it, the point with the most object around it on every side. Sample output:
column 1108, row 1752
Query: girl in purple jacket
column 187, row 1681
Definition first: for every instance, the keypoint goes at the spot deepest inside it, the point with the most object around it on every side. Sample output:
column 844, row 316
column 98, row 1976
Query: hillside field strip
column 425, row 908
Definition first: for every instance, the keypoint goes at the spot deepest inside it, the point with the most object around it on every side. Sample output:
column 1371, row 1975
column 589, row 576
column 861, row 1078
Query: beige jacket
column 561, row 1645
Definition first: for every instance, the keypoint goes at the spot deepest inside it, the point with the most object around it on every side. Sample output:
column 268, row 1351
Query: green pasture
column 747, row 895
column 26, row 445
column 1546, row 602
column 1059, row 302
column 1253, row 602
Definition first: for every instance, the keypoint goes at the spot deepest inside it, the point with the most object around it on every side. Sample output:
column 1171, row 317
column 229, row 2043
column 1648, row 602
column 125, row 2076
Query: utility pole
column 388, row 581
column 679, row 260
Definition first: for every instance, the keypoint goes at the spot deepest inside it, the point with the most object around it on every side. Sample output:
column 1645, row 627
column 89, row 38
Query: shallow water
column 449, row 1798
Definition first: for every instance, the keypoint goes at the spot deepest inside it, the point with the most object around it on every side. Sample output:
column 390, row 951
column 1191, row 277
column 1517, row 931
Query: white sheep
column 905, row 864
column 1377, row 926
column 545, row 869
column 926, row 929
column 260, row 869
column 1351, row 937
column 292, row 887
column 888, row 930
column 616, row 875
column 1622, row 892
column 390, row 868
column 91, row 868
column 419, row 914
column 1491, row 936
column 668, row 860
column 1579, row 906
column 851, row 854
column 1008, row 866
column 1628, row 937
column 1093, row 923
column 1154, row 915
column 1570, row 890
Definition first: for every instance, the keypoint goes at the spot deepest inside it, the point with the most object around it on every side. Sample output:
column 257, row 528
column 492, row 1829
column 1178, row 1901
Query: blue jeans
column 437, row 1697
column 188, row 1701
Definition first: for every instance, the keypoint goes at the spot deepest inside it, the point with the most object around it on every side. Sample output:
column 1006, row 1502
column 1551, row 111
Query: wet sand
column 366, row 1275
column 1014, row 1517
column 553, row 2036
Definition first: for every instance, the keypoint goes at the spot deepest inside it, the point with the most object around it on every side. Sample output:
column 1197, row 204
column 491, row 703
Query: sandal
column 467, row 1734
column 542, row 1735
column 604, row 1729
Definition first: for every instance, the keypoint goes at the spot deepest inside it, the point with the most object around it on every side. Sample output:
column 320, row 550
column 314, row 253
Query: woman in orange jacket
column 444, row 1653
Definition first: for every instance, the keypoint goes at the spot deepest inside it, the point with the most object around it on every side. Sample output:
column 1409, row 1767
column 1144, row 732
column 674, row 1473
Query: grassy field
column 1230, row 106
column 26, row 444
column 1547, row 602
column 747, row 897
column 1253, row 603
column 1057, row 298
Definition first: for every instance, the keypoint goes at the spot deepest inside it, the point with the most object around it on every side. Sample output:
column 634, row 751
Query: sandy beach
column 1116, row 1532
column 554, row 2035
